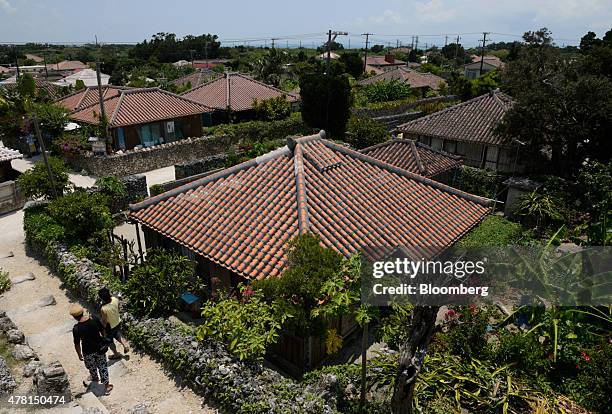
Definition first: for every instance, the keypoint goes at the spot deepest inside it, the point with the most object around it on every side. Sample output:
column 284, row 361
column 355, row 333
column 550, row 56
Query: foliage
column 247, row 325
column 326, row 100
column 563, row 104
column 392, row 328
column 51, row 118
column 155, row 285
column 363, row 132
column 464, row 331
column 384, row 91
column 70, row 144
column 5, row 281
column 594, row 182
column 166, row 47
column 539, row 210
column 260, row 131
column 270, row 67
column 40, row 228
column 310, row 267
column 353, row 63
column 156, row 189
column 272, row 109
column 480, row 182
column 467, row 89
column 35, row 181
column 111, row 186
column 496, row 231
column 82, row 214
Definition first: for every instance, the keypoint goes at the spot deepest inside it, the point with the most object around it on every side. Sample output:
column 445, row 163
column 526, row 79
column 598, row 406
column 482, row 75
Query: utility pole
column 103, row 118
column 274, row 39
column 330, row 39
column 457, row 48
column 412, row 42
column 484, row 41
column 445, row 40
column 416, row 45
column 206, row 54
column 191, row 56
column 396, row 43
column 365, row 57
column 16, row 62
column 44, row 154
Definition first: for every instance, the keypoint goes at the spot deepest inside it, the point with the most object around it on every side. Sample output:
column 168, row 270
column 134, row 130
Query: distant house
column 417, row 158
column 88, row 76
column 68, row 66
column 209, row 64
column 234, row 93
column 49, row 88
column 422, row 81
column 34, row 58
column 88, row 96
column 383, row 63
column 490, row 63
column 468, row 130
column 144, row 117
column 236, row 223
column 197, row 78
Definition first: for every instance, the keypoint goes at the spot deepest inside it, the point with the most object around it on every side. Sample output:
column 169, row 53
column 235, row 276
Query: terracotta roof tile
column 139, row 106
column 242, row 217
column 236, row 91
column 471, row 121
column 414, row 156
column 197, row 78
column 412, row 77
column 88, row 96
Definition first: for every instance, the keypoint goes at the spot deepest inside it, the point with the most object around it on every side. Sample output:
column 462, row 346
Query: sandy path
column 47, row 329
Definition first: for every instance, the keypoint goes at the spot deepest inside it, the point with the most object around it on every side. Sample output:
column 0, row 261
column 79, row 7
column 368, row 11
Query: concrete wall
column 147, row 159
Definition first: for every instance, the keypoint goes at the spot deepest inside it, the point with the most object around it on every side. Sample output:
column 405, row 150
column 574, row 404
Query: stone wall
column 147, row 159
column 207, row 366
column 195, row 167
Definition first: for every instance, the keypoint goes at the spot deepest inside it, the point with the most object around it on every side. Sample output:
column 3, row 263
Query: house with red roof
column 88, row 96
column 233, row 95
column 421, row 81
column 236, row 223
column 417, row 158
column 140, row 117
column 468, row 130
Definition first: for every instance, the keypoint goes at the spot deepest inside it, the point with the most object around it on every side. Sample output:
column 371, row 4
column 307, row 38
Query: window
column 150, row 135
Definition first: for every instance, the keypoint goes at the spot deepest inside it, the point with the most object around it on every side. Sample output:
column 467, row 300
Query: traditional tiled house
column 417, row 158
column 422, row 81
column 88, row 96
column 490, row 63
column 236, row 223
column 143, row 117
column 468, row 130
column 383, row 63
column 195, row 79
column 233, row 94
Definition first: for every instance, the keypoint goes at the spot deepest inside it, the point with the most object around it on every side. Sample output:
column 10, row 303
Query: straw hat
column 76, row 310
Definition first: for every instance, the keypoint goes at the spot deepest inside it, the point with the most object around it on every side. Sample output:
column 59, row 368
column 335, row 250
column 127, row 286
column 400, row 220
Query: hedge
column 259, row 131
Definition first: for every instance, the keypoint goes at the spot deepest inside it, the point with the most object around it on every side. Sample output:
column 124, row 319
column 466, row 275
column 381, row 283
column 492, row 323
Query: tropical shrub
column 260, row 131
column 539, row 210
column 35, row 181
column 114, row 190
column 154, row 286
column 363, row 131
column 496, row 231
column 40, row 228
column 247, row 325
column 480, row 182
column 384, row 91
column 5, row 281
column 70, row 144
column 272, row 109
column 81, row 214
column 326, row 102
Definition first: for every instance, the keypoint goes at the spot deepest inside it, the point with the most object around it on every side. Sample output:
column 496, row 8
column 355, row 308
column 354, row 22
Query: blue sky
column 389, row 20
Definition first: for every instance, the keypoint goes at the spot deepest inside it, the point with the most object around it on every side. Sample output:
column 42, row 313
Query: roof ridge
column 205, row 180
column 116, row 110
column 301, row 194
column 202, row 85
column 381, row 164
column 182, row 97
column 417, row 158
column 251, row 79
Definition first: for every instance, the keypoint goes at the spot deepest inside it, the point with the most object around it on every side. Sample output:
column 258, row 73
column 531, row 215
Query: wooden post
column 126, row 265
column 139, row 243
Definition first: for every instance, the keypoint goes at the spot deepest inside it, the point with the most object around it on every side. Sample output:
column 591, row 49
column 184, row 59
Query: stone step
column 91, row 404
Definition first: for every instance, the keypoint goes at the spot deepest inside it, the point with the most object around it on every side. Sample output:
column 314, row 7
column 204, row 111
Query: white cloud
column 387, row 17
column 7, row 7
column 434, row 11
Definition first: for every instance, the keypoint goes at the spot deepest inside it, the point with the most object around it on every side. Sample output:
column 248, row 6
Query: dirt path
column 138, row 380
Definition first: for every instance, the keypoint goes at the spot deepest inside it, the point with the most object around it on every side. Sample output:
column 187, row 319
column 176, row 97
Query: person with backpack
column 90, row 346
column 111, row 320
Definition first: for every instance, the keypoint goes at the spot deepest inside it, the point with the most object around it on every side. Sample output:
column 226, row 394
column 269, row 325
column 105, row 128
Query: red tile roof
column 49, row 88
column 412, row 77
column 376, row 60
column 69, row 65
column 242, row 217
column 236, row 91
column 490, row 59
column 471, row 121
column 197, row 78
column 414, row 156
column 88, row 96
column 140, row 106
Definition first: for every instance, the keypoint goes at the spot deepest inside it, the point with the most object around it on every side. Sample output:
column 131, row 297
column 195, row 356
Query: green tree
column 363, row 131
column 79, row 85
column 154, row 286
column 326, row 101
column 35, row 181
column 563, row 105
column 83, row 215
column 385, row 91
column 353, row 63
column 272, row 109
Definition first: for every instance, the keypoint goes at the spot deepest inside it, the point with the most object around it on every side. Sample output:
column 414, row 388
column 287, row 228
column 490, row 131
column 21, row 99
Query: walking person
column 111, row 320
column 90, row 346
